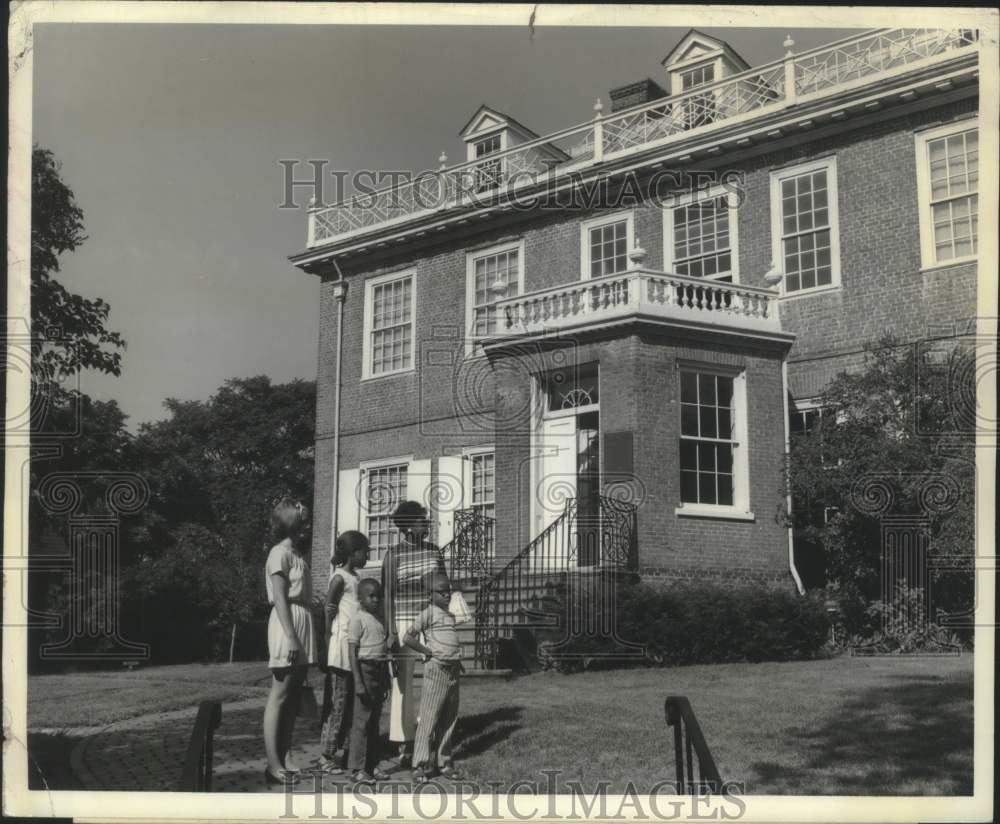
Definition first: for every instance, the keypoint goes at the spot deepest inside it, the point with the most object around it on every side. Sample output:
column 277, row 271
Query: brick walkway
column 147, row 753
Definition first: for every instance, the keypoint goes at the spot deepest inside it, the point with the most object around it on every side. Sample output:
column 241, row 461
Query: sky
column 170, row 137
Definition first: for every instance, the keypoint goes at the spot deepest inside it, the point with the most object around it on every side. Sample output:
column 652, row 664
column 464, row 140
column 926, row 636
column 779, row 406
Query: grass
column 846, row 726
column 90, row 699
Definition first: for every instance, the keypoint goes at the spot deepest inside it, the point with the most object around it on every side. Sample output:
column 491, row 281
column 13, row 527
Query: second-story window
column 493, row 275
column 948, row 187
column 699, row 109
column 804, row 226
column 488, row 172
column 700, row 237
column 389, row 324
column 605, row 244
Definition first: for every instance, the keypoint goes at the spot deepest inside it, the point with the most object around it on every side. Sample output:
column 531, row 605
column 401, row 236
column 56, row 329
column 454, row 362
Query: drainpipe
column 339, row 294
column 788, row 496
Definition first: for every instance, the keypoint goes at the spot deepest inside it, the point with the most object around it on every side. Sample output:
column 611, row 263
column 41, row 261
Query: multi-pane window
column 389, row 334
column 699, row 109
column 805, row 226
column 495, row 276
column 488, row 173
column 385, row 487
column 483, row 486
column 702, row 244
column 953, row 174
column 708, row 440
column 608, row 246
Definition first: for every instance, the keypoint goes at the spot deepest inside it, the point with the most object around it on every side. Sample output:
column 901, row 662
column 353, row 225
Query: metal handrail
column 478, row 563
column 688, row 737
column 196, row 776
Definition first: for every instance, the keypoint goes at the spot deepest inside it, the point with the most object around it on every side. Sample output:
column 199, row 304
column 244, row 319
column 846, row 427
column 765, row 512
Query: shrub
column 687, row 624
column 902, row 626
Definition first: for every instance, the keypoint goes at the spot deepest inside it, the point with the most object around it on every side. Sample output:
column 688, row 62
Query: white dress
column 337, row 655
column 283, row 560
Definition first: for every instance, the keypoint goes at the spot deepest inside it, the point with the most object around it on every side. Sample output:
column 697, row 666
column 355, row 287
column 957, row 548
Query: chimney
column 643, row 91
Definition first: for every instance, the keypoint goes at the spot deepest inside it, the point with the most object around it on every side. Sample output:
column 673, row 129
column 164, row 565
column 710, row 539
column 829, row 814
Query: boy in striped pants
column 439, row 694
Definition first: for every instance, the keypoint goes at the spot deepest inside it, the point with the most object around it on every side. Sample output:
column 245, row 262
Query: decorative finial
column 443, row 160
column 312, row 201
column 788, row 44
column 598, row 108
column 773, row 276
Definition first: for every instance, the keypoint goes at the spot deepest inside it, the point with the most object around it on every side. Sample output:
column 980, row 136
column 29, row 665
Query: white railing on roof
column 775, row 84
column 681, row 298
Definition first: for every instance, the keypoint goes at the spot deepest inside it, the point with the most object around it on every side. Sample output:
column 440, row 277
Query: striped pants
column 438, row 713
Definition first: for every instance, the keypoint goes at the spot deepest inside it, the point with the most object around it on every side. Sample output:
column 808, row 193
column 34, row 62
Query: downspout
column 339, row 294
column 788, row 495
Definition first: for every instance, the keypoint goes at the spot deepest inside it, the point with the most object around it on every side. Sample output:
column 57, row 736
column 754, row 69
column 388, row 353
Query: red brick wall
column 446, row 404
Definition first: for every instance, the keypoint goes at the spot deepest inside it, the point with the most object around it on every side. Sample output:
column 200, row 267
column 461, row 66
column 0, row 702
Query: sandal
column 361, row 777
column 380, row 775
column 420, row 776
column 330, row 765
column 283, row 777
column 451, row 772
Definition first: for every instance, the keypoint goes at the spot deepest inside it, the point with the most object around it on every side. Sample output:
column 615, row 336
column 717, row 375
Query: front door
column 568, row 470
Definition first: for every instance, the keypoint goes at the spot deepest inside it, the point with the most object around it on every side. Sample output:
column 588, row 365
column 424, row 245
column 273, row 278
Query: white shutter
column 349, row 500
column 418, row 484
column 449, row 495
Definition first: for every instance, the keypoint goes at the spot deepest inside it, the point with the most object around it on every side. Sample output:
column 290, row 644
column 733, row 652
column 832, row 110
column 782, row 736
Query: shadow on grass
column 914, row 737
column 475, row 734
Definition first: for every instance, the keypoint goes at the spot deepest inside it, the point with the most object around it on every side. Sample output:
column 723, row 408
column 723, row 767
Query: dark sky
column 170, row 136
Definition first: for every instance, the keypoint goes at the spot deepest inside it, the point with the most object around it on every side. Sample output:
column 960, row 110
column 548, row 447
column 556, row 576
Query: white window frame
column 627, row 215
column 740, row 509
column 365, row 467
column 694, row 197
column 471, row 348
column 922, row 139
column 366, row 347
column 468, row 455
column 829, row 165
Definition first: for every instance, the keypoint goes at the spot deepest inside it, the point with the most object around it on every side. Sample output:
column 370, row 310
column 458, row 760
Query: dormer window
column 697, row 77
column 490, row 132
column 490, row 173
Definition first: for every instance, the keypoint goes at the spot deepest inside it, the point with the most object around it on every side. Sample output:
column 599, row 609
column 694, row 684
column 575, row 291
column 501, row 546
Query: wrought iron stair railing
column 690, row 746
column 469, row 555
column 600, row 533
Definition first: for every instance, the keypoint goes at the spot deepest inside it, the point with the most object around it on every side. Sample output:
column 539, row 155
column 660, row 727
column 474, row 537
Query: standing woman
column 290, row 643
column 404, row 573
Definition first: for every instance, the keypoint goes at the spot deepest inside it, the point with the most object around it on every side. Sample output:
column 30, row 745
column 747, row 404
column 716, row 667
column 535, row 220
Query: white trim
column 694, row 197
column 921, row 139
column 729, row 513
column 829, row 165
column 379, row 463
column 366, row 328
column 740, row 507
column 628, row 215
column 470, row 284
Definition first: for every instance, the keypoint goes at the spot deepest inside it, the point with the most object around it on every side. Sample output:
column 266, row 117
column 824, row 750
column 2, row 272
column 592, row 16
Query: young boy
column 439, row 695
column 366, row 638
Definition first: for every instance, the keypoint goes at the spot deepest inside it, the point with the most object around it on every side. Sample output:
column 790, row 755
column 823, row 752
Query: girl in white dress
column 290, row 643
column 350, row 554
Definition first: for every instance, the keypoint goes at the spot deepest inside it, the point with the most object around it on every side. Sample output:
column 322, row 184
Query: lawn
column 90, row 699
column 846, row 726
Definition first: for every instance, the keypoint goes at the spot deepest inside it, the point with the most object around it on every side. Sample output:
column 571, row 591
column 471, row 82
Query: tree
column 214, row 468
column 83, row 341
column 905, row 418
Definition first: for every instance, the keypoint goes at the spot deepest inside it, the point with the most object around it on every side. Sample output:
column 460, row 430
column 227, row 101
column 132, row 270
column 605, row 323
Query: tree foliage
column 905, row 418
column 82, row 340
column 214, row 468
